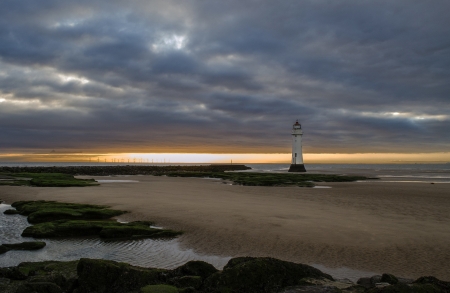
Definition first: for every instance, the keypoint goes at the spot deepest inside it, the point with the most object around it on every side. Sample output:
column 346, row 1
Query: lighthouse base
column 297, row 168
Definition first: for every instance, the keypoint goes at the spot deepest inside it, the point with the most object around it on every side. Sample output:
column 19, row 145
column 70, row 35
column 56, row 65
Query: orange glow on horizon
column 172, row 158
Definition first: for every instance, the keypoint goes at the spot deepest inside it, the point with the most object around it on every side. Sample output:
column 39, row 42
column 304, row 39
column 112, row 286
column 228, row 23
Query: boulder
column 44, row 287
column 12, row 273
column 104, row 276
column 11, row 212
column 159, row 289
column 187, row 281
column 259, row 275
column 195, row 268
column 389, row 278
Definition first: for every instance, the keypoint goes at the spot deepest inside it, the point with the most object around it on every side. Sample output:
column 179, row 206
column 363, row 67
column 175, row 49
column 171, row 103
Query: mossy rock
column 159, row 289
column 195, row 268
column 41, row 287
column 103, row 276
column 389, row 278
column 259, row 275
column 187, row 281
column 44, row 211
column 30, row 245
column 11, row 212
column 105, row 229
column 270, row 179
column 12, row 273
column 414, row 288
column 47, row 180
column 433, row 281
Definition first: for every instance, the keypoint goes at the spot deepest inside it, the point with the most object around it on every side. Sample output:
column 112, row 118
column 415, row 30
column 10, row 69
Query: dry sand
column 401, row 228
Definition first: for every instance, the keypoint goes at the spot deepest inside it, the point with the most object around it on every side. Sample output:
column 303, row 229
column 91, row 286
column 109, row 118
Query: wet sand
column 400, row 228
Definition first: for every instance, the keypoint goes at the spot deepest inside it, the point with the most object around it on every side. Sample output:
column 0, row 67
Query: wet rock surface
column 241, row 275
column 30, row 245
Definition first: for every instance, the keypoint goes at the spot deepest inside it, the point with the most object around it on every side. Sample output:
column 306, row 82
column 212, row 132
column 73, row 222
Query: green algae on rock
column 11, row 212
column 30, row 245
column 57, row 219
column 102, row 276
column 240, row 275
column 43, row 211
column 269, row 179
column 265, row 274
column 105, row 229
column 45, row 180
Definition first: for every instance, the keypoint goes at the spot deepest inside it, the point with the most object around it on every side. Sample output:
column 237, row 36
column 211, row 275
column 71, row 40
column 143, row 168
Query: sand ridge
column 399, row 228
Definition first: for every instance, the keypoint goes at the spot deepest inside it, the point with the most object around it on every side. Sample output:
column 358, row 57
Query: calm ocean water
column 439, row 173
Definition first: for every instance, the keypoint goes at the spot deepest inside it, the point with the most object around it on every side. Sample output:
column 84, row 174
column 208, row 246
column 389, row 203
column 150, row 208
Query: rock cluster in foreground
column 57, row 219
column 245, row 274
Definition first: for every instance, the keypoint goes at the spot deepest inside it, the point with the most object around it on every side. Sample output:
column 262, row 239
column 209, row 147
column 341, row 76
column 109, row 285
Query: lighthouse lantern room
column 297, row 155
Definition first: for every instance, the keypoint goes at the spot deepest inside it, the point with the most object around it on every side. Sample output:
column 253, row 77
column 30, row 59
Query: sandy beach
column 378, row 226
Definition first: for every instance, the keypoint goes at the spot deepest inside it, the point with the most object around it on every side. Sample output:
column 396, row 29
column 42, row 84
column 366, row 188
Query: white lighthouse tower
column 297, row 155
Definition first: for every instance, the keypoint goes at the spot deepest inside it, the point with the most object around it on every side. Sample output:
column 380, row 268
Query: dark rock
column 375, row 279
column 3, row 249
column 43, row 287
column 159, row 289
column 312, row 289
column 102, row 276
column 369, row 282
column 103, row 228
column 11, row 212
column 260, row 275
column 405, row 280
column 365, row 282
column 187, row 290
column 425, row 285
column 389, row 278
column 12, row 273
column 187, row 281
column 31, row 245
column 195, row 268
column 434, row 281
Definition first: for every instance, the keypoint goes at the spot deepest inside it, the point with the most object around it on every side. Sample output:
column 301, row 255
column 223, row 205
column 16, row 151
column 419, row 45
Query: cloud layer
column 224, row 76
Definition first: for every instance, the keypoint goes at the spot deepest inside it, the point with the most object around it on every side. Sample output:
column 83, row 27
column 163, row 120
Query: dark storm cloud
column 224, row 75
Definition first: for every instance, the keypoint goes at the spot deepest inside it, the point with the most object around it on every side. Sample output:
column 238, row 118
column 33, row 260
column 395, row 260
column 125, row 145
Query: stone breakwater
column 123, row 169
column 243, row 274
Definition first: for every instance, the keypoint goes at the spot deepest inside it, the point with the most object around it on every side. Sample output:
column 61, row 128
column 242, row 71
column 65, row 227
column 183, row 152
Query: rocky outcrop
column 103, row 276
column 30, row 245
column 260, row 275
column 244, row 274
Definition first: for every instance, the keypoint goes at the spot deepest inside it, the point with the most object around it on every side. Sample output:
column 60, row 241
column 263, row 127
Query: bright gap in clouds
column 173, row 42
column 69, row 78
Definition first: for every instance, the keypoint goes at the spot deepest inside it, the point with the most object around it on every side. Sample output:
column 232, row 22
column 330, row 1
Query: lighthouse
column 297, row 155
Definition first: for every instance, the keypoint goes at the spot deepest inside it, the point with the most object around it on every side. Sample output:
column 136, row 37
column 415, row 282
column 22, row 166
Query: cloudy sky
column 224, row 76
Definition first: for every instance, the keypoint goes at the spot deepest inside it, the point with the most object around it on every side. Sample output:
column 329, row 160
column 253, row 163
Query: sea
column 170, row 254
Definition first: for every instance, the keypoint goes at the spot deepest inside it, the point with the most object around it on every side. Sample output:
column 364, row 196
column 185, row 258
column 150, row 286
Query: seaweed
column 45, row 180
column 270, row 179
column 43, row 211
